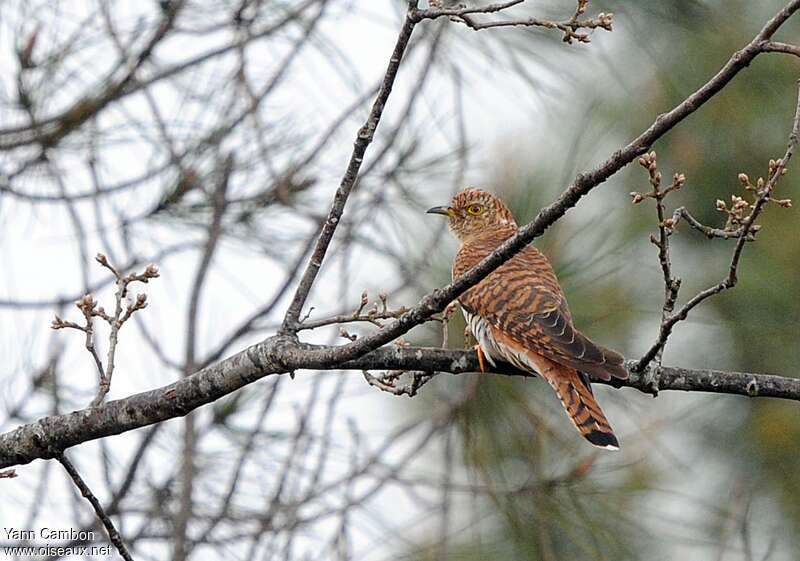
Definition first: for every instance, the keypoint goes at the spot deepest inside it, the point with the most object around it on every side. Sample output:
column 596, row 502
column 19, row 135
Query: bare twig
column 113, row 534
column 363, row 139
column 665, row 225
column 446, row 315
column 437, row 9
column 570, row 28
column 388, row 382
column 737, row 218
column 122, row 313
column 181, row 542
column 682, row 214
column 672, row 284
column 375, row 314
column 778, row 47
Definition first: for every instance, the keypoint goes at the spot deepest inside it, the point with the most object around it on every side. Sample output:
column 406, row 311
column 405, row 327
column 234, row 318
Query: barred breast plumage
column 519, row 314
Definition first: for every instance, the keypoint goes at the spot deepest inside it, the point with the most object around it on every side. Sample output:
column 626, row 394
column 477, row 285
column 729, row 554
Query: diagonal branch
column 86, row 492
column 363, row 139
column 367, row 132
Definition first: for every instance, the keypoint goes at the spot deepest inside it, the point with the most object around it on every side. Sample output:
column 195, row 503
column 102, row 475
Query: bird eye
column 475, row 210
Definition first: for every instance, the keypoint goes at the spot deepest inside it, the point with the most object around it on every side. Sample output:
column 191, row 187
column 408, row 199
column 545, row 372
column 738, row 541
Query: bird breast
column 482, row 332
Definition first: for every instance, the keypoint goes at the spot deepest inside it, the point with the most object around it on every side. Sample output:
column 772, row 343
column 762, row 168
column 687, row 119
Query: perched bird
column 519, row 314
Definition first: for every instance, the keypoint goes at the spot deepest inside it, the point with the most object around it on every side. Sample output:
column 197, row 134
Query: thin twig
column 363, row 139
column 672, row 284
column 764, row 195
column 682, row 214
column 388, row 381
column 570, row 27
column 122, row 313
column 181, row 543
column 113, row 535
column 778, row 47
column 373, row 315
column 436, row 11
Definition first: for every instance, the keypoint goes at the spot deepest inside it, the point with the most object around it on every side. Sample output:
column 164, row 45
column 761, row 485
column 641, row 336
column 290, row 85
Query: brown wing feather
column 523, row 298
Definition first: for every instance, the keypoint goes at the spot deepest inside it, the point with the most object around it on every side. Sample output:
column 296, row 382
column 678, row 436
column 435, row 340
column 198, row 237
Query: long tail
column 582, row 408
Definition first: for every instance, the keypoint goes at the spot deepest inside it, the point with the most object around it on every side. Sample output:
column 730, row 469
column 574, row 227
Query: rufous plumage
column 519, row 314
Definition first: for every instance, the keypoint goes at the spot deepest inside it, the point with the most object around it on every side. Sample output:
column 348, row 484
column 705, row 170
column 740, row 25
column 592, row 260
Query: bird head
column 474, row 213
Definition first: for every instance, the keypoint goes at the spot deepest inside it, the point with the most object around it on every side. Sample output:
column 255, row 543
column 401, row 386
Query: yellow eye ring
column 475, row 210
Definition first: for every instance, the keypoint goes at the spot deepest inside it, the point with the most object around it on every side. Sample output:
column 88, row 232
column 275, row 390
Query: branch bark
column 50, row 436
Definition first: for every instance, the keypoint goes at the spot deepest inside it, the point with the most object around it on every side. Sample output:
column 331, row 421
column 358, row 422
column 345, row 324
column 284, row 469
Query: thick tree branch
column 48, row 436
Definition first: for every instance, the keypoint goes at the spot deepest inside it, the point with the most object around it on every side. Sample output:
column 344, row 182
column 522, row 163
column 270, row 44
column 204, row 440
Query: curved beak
column 443, row 210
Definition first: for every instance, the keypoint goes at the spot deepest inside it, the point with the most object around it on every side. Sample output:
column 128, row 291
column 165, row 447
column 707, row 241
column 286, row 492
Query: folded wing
column 522, row 298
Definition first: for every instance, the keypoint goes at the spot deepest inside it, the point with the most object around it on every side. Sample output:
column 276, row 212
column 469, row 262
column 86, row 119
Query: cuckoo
column 519, row 314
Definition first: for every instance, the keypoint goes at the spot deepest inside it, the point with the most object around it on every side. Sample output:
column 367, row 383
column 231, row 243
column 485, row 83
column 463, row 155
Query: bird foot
column 481, row 363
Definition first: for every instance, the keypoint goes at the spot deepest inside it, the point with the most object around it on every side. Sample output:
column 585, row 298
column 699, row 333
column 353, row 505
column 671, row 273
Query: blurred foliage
column 512, row 432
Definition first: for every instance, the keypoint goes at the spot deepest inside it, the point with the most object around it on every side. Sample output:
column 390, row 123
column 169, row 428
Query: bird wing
column 522, row 299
